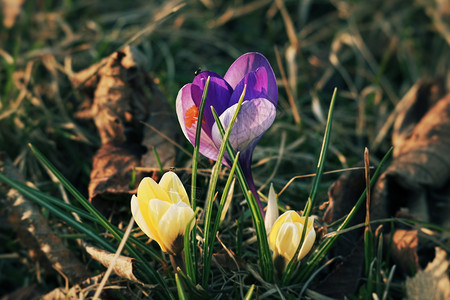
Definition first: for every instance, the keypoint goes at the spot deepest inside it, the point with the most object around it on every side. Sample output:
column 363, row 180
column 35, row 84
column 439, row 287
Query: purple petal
column 254, row 118
column 250, row 62
column 219, row 93
column 185, row 106
column 257, row 82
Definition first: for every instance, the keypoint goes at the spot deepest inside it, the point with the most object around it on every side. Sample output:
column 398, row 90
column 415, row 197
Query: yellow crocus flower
column 286, row 234
column 162, row 211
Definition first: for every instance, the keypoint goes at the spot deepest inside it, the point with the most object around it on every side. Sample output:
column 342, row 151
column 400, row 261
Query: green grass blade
column 219, row 211
column 152, row 274
column 193, row 249
column 189, row 257
column 207, row 246
column 67, row 218
column 315, row 187
column 263, row 246
column 329, row 242
column 24, row 189
column 181, row 292
column 158, row 160
column 249, row 294
column 195, row 155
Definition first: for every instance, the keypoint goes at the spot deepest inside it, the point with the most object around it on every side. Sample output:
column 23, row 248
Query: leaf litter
column 120, row 96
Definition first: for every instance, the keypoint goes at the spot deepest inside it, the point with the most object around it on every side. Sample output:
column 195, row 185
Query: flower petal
column 308, row 242
column 288, row 239
column 171, row 183
column 250, row 62
column 184, row 103
column 148, row 189
column 272, row 210
column 137, row 215
column 219, row 93
column 173, row 223
column 254, row 118
column 157, row 209
column 257, row 87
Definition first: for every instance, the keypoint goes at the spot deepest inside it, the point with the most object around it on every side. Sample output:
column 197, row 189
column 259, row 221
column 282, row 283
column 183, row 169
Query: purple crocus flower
column 255, row 117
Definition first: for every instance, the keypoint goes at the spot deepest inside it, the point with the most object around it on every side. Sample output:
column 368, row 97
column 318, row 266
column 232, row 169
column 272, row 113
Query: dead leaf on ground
column 87, row 289
column 35, row 234
column 23, row 293
column 432, row 283
column 123, row 266
column 345, row 274
column 11, row 9
column 418, row 178
column 404, row 250
column 120, row 96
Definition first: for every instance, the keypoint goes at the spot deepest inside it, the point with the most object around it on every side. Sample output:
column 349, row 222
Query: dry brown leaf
column 120, row 97
column 123, row 266
column 432, row 283
column 86, row 290
column 404, row 250
column 112, row 170
column 23, row 293
column 418, row 178
column 35, row 234
column 11, row 9
column 344, row 276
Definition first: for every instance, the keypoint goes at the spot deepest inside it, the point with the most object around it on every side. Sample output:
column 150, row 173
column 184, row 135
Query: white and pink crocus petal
column 184, row 103
column 254, row 118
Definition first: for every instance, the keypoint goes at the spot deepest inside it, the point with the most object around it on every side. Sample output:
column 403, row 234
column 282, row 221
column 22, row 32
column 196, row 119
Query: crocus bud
column 162, row 211
column 285, row 236
column 272, row 210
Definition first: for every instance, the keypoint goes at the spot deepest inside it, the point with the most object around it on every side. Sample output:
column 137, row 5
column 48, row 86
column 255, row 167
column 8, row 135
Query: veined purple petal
column 186, row 109
column 257, row 83
column 219, row 93
column 250, row 62
column 254, row 118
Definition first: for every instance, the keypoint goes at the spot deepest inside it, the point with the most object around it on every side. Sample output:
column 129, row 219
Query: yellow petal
column 276, row 227
column 288, row 239
column 148, row 189
column 137, row 215
column 172, row 184
column 156, row 210
column 286, row 232
column 173, row 223
column 272, row 210
column 308, row 242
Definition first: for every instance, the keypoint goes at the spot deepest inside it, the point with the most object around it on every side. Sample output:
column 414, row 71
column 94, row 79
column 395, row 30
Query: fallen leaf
column 23, row 293
column 11, row 9
column 120, row 97
column 35, row 234
column 432, row 283
column 123, row 266
column 404, row 250
column 344, row 276
column 418, row 178
column 112, row 171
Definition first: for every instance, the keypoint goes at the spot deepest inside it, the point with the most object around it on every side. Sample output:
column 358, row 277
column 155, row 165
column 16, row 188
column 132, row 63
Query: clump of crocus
column 285, row 236
column 255, row 116
column 162, row 211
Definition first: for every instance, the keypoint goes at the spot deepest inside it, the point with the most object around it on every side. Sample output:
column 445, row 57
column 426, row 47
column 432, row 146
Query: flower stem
column 178, row 262
column 246, row 169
